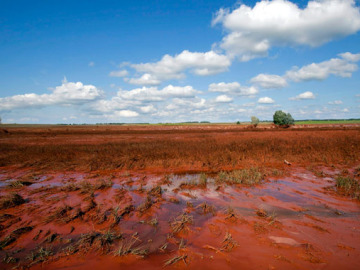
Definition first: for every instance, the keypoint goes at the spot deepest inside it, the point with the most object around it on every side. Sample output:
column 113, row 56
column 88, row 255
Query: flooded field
column 263, row 215
column 78, row 221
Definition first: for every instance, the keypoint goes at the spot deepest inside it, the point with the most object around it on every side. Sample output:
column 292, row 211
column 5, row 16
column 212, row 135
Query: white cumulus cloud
column 265, row 100
column 67, row 93
column 173, row 67
column 126, row 113
column 145, row 79
column 223, row 99
column 154, row 94
column 269, row 81
column 341, row 67
column 252, row 31
column 305, row 95
column 351, row 57
column 233, row 88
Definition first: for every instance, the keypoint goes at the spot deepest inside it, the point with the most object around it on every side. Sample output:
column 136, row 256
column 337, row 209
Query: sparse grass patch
column 203, row 180
column 207, row 208
column 348, row 186
column 146, row 205
column 249, row 177
column 103, row 183
column 166, row 180
column 199, row 182
column 19, row 184
column 10, row 259
column 107, row 239
column 11, row 200
column 181, row 223
column 228, row 243
column 40, row 255
column 14, row 235
column 59, row 214
column 129, row 247
column 156, row 191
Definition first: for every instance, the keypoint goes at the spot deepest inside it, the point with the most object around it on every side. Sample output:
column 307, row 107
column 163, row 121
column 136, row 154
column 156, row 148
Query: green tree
column 283, row 119
column 254, row 121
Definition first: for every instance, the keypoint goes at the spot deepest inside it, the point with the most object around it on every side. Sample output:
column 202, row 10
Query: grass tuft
column 11, row 200
column 249, row 177
column 228, row 243
column 180, row 223
column 348, row 186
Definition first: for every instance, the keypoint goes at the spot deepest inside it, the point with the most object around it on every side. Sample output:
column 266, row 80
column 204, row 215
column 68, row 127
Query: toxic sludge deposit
column 191, row 210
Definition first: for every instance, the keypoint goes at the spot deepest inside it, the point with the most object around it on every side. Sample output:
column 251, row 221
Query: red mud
column 307, row 225
column 294, row 220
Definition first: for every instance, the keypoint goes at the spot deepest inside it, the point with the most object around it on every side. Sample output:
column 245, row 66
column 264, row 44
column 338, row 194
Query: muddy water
column 294, row 222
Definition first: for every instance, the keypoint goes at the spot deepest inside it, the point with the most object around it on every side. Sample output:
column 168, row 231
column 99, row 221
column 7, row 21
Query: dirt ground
column 180, row 197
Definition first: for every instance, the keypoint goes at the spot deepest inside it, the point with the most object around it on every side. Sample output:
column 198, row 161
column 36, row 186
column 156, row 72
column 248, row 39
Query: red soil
column 293, row 220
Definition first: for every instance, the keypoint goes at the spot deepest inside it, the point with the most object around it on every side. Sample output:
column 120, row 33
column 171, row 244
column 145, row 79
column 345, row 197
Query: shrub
column 254, row 121
column 283, row 119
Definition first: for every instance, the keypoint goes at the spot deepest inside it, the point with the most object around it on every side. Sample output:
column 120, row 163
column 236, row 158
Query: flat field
column 180, row 196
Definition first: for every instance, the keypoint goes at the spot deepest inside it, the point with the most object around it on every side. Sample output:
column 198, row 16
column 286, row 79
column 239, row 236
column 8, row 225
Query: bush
column 283, row 119
column 254, row 121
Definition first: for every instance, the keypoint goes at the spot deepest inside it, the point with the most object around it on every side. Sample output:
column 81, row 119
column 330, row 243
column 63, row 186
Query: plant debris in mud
column 155, row 191
column 181, row 223
column 206, row 208
column 19, row 184
column 60, row 213
column 14, row 235
column 176, row 259
column 40, row 255
column 131, row 246
column 11, row 200
column 232, row 216
column 228, row 244
column 146, row 205
column 10, row 259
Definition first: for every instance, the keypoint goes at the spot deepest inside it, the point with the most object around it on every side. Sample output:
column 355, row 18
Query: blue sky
column 174, row 61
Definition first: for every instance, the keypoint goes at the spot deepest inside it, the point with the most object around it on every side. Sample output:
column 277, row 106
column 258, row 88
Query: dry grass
column 228, row 244
column 348, row 186
column 181, row 223
column 146, row 205
column 206, row 208
column 11, row 200
column 40, row 255
column 205, row 150
column 247, row 177
column 14, row 235
column 176, row 259
column 131, row 246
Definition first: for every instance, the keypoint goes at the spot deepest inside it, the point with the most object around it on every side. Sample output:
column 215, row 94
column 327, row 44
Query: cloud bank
column 252, row 31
